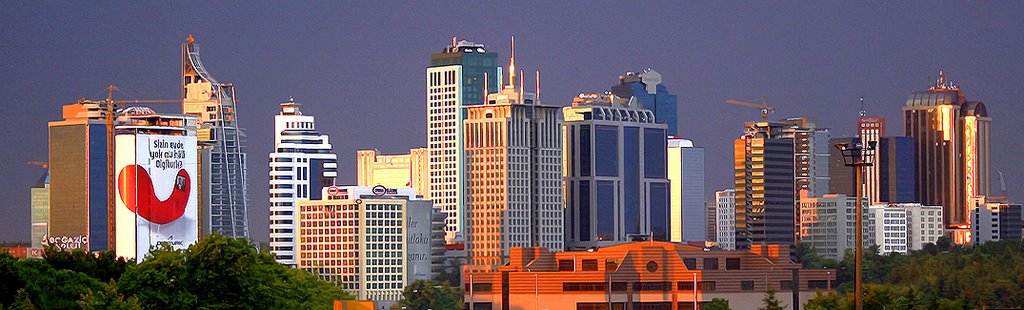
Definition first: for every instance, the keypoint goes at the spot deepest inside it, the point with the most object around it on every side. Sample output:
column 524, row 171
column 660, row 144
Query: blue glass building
column 647, row 88
column 616, row 173
column 896, row 161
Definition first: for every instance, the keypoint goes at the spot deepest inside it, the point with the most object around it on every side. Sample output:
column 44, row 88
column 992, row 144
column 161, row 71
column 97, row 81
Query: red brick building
column 640, row 275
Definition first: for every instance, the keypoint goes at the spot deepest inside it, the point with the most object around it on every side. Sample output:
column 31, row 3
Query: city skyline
column 349, row 93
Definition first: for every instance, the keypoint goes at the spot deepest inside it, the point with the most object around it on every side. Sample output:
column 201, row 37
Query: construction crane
column 1002, row 183
column 43, row 164
column 110, row 109
column 765, row 109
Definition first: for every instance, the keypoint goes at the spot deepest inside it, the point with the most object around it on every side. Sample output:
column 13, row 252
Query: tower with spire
column 513, row 156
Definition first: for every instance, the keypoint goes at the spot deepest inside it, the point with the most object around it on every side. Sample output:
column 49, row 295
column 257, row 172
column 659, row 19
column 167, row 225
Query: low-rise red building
column 641, row 275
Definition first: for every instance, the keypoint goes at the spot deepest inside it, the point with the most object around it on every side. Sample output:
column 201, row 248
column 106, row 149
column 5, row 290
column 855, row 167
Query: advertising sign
column 156, row 193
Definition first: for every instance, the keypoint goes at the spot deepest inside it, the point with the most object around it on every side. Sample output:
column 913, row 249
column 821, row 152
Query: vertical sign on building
column 156, row 193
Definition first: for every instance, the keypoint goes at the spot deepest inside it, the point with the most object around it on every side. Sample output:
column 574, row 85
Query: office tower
column 725, row 202
column 373, row 241
column 764, row 182
column 810, row 153
column 223, row 195
column 302, row 163
column 647, row 88
column 889, row 229
column 78, row 178
column 894, row 160
column 394, row 171
column 688, row 214
column 870, row 129
column 513, row 147
column 924, row 223
column 995, row 221
column 827, row 223
column 40, row 194
column 156, row 199
column 614, row 172
column 457, row 77
column 952, row 141
column 712, row 220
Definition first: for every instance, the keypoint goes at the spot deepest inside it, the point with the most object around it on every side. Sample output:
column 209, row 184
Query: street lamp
column 858, row 155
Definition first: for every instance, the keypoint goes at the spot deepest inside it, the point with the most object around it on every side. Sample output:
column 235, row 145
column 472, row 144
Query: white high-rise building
column 726, row 219
column 688, row 216
column 888, row 227
column 300, row 166
column 924, row 224
column 827, row 223
column 513, row 154
column 457, row 77
column 995, row 221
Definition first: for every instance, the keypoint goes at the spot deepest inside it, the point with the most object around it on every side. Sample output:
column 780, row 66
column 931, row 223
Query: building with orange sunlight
column 641, row 275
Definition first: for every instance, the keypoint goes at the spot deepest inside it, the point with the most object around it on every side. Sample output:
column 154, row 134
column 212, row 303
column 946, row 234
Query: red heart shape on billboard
column 136, row 191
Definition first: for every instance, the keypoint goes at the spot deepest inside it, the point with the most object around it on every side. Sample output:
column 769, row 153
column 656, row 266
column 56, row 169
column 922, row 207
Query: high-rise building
column 394, row 171
column 712, row 220
column 889, row 229
column 764, row 183
column 725, row 202
column 810, row 154
column 40, row 194
column 924, row 223
column 78, row 178
column 647, row 88
column 894, row 163
column 952, row 141
column 513, row 157
column 156, row 200
column 302, row 163
column 615, row 178
column 996, row 221
column 458, row 76
column 828, row 224
column 373, row 241
column 223, row 195
column 870, row 129
column 688, row 214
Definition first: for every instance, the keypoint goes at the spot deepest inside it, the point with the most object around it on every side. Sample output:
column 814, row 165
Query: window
column 691, row 263
column 747, row 285
column 685, row 285
column 565, row 265
column 652, row 286
column 584, row 286
column 710, row 264
column 611, row 265
column 817, row 284
column 480, row 287
column 786, row 284
column 589, row 265
column 652, row 266
column 619, row 286
column 706, row 286
column 732, row 263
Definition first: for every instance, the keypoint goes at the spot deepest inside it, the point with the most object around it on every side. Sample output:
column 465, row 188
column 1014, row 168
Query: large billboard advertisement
column 156, row 193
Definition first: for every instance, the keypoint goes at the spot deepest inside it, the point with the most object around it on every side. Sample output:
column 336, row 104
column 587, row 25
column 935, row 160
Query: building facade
column 725, row 202
column 614, row 171
column 78, row 215
column 994, row 221
column 688, row 214
column 810, row 154
column 951, row 137
column 653, row 96
column 870, row 129
column 394, row 171
column 641, row 275
column 828, row 223
column 764, row 183
column 457, row 78
column 924, row 224
column 40, row 194
column 302, row 163
column 894, row 164
column 889, row 229
column 513, row 156
column 372, row 240
column 223, row 192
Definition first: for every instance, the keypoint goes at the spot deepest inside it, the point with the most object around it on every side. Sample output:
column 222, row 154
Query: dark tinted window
column 710, row 264
column 654, row 153
column 589, row 265
column 732, row 263
column 585, row 150
column 605, row 210
column 606, row 142
column 631, row 180
column 565, row 265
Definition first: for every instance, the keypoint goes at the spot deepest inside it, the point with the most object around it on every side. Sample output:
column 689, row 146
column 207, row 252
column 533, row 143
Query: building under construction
column 222, row 161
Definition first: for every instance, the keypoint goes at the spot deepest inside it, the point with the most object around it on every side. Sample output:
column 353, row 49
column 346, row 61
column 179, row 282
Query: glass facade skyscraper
column 615, row 172
column 78, row 179
column 894, row 158
column 764, row 182
column 647, row 88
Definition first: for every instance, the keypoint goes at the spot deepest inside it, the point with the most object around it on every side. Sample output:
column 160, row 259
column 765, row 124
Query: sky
column 359, row 67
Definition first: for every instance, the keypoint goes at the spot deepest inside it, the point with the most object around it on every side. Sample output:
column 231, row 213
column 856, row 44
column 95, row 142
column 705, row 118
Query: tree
column 453, row 278
column 109, row 298
column 717, row 304
column 104, row 266
column 429, row 294
column 770, row 302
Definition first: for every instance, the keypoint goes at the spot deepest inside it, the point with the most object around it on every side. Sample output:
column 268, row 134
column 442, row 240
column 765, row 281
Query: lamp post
column 858, row 155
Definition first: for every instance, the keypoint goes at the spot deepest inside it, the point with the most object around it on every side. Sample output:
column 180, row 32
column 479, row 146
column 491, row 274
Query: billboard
column 156, row 193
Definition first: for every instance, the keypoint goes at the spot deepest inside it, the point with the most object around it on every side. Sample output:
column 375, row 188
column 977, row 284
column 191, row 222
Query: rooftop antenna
column 538, row 87
column 485, row 87
column 521, row 82
column 512, row 64
column 453, row 41
column 862, row 112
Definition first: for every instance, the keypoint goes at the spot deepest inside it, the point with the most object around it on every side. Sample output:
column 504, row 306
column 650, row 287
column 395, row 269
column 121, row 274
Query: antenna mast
column 863, row 113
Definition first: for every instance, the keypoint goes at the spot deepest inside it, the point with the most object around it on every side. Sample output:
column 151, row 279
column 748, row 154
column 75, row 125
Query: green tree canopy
column 429, row 294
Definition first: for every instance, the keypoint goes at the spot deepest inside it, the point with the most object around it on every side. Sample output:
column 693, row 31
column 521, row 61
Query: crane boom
column 765, row 108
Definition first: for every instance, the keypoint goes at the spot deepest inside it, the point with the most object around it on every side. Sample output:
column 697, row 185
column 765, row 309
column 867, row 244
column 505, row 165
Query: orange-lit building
column 640, row 275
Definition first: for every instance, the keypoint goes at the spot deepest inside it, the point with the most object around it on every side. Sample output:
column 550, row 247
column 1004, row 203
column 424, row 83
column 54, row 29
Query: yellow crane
column 763, row 106
column 40, row 163
column 110, row 109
